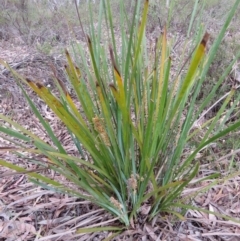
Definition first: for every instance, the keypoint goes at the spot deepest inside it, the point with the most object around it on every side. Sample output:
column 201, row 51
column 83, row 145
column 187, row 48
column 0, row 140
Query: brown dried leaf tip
column 60, row 82
column 113, row 60
column 111, row 85
column 89, row 40
column 67, row 53
column 39, row 85
column 205, row 39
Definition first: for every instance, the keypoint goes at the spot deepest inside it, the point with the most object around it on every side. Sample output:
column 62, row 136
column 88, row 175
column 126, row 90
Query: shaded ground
column 28, row 212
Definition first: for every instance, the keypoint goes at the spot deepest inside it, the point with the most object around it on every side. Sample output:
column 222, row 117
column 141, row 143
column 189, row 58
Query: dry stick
column 79, row 18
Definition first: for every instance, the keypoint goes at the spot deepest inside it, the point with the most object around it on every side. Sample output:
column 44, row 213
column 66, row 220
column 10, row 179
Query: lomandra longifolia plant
column 134, row 119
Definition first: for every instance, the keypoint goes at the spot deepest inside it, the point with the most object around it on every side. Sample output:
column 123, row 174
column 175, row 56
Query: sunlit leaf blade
column 18, row 134
column 142, row 28
column 163, row 64
column 32, row 174
column 188, row 81
column 13, row 133
column 43, row 122
column 71, row 103
column 80, row 89
column 186, row 207
column 83, row 134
